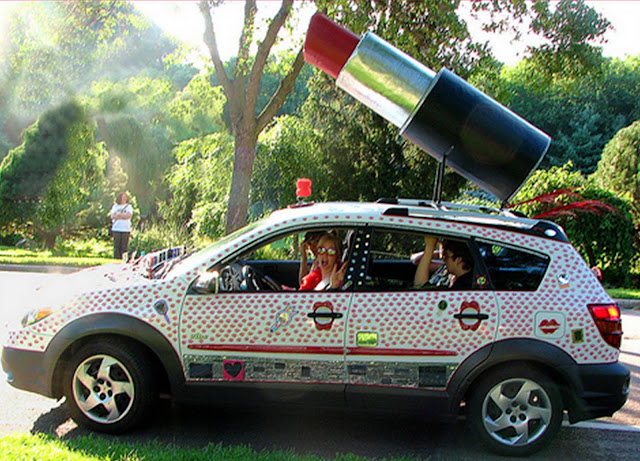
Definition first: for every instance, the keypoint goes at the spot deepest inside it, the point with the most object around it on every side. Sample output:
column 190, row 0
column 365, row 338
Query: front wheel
column 109, row 386
column 515, row 411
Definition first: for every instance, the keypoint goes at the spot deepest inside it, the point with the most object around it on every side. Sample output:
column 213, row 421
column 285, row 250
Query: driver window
column 282, row 264
column 278, row 260
column 278, row 264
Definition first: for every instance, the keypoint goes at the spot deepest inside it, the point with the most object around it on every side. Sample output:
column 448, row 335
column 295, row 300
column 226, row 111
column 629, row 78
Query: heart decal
column 233, row 370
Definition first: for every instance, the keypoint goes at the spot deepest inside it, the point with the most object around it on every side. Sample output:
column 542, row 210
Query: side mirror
column 209, row 282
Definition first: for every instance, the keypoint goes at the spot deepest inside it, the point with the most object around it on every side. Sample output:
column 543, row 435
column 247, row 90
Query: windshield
column 205, row 254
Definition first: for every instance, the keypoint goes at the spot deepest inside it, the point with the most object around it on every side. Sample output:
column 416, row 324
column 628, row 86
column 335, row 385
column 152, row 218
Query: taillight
column 607, row 318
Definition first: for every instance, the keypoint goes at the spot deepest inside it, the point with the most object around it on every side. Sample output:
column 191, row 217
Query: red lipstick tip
column 328, row 45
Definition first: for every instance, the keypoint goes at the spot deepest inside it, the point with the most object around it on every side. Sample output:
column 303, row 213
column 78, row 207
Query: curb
column 46, row 269
column 628, row 304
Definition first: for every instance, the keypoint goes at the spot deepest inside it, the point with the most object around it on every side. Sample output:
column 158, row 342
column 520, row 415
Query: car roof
column 424, row 209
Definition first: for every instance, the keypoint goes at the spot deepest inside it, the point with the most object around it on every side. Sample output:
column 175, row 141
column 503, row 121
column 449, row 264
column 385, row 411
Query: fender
column 113, row 324
column 511, row 351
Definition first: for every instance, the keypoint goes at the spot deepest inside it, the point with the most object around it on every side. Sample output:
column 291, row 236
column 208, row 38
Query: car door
column 399, row 336
column 258, row 335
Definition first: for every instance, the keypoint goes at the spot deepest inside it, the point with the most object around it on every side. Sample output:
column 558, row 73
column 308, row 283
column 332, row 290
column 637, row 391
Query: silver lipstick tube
column 385, row 79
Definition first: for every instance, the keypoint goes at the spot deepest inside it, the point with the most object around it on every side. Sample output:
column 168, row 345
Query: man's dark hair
column 459, row 250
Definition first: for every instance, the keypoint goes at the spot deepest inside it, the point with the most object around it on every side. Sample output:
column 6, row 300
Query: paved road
column 323, row 433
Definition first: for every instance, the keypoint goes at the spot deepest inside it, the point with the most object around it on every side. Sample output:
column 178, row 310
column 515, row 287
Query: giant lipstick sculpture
column 440, row 112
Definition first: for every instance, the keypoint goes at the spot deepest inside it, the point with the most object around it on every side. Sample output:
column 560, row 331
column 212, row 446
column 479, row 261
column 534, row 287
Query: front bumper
column 605, row 389
column 26, row 370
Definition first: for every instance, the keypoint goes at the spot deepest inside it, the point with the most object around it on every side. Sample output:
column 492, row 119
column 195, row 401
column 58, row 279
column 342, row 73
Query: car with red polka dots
column 533, row 335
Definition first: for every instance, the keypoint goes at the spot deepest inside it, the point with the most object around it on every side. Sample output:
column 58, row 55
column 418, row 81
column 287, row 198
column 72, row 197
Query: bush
column 157, row 236
column 604, row 238
column 91, row 247
column 619, row 167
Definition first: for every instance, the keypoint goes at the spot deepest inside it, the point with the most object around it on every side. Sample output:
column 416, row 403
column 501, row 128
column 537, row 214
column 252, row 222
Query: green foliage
column 604, row 239
column 199, row 185
column 157, row 236
column 85, row 247
column 580, row 113
column 619, row 168
column 46, row 181
column 287, row 151
column 347, row 151
column 196, row 111
column 570, row 30
column 69, row 44
column 130, row 117
column 431, row 32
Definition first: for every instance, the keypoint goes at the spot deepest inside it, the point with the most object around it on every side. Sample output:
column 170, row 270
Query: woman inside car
column 330, row 271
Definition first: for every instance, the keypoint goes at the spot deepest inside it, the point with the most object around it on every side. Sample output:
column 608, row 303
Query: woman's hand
column 304, row 248
column 337, row 274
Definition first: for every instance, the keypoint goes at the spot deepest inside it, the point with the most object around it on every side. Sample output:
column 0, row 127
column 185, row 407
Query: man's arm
column 422, row 272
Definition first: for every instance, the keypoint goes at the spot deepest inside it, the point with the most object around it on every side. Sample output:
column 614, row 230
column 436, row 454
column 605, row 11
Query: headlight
column 36, row 315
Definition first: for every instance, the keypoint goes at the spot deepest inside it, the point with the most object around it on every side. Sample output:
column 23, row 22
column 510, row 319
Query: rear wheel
column 109, row 386
column 515, row 411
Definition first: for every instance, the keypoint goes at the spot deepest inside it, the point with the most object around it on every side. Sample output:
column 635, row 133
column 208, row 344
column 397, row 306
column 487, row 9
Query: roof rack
column 448, row 206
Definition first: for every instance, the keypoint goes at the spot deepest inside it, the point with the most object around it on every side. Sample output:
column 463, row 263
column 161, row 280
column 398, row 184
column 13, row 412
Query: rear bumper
column 605, row 389
column 26, row 370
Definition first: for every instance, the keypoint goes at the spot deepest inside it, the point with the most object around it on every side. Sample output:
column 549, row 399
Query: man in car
column 457, row 262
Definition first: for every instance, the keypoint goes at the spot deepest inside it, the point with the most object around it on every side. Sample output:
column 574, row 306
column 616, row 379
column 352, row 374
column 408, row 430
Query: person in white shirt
column 121, row 213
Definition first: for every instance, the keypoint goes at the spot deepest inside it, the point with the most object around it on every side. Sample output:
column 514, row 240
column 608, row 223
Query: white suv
column 532, row 336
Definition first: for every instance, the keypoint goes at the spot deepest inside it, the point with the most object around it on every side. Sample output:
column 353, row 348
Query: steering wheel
column 231, row 277
column 257, row 281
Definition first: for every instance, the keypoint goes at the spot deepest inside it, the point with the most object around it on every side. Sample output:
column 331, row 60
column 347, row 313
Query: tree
column 597, row 222
column 619, row 168
column 45, row 181
column 572, row 29
column 199, row 183
column 132, row 121
column 581, row 113
column 241, row 89
column 56, row 50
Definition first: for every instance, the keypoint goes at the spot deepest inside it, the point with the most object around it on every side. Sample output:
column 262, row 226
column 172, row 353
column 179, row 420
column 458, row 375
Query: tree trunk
column 244, row 155
column 49, row 239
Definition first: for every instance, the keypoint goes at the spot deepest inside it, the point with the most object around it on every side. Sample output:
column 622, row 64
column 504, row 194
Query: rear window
column 511, row 269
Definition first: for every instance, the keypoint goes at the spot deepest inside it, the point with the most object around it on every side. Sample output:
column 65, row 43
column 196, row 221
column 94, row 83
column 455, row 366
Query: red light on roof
column 303, row 188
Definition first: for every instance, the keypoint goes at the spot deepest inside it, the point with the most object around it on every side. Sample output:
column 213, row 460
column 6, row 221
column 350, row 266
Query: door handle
column 471, row 316
column 325, row 315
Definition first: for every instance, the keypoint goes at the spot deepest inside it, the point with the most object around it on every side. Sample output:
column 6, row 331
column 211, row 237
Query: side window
column 511, row 269
column 390, row 266
column 277, row 264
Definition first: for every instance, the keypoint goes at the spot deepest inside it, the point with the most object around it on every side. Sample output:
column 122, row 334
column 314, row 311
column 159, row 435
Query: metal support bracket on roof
column 437, row 185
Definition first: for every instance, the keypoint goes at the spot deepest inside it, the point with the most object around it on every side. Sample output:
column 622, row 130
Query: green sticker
column 578, row 336
column 367, row 339
column 442, row 305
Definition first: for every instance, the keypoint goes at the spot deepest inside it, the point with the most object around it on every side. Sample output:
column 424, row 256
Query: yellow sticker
column 367, row 339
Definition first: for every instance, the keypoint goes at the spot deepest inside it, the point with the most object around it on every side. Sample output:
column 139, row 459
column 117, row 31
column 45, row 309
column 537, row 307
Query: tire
column 515, row 411
column 109, row 386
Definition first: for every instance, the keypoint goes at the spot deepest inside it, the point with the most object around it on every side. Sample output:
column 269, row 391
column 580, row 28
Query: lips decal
column 469, row 308
column 549, row 327
column 323, row 323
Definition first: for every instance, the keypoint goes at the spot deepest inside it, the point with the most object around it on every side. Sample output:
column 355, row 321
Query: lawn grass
column 10, row 255
column 28, row 447
column 624, row 293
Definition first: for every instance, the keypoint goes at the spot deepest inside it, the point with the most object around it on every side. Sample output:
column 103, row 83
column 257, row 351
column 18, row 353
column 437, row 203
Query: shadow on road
column 326, row 433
